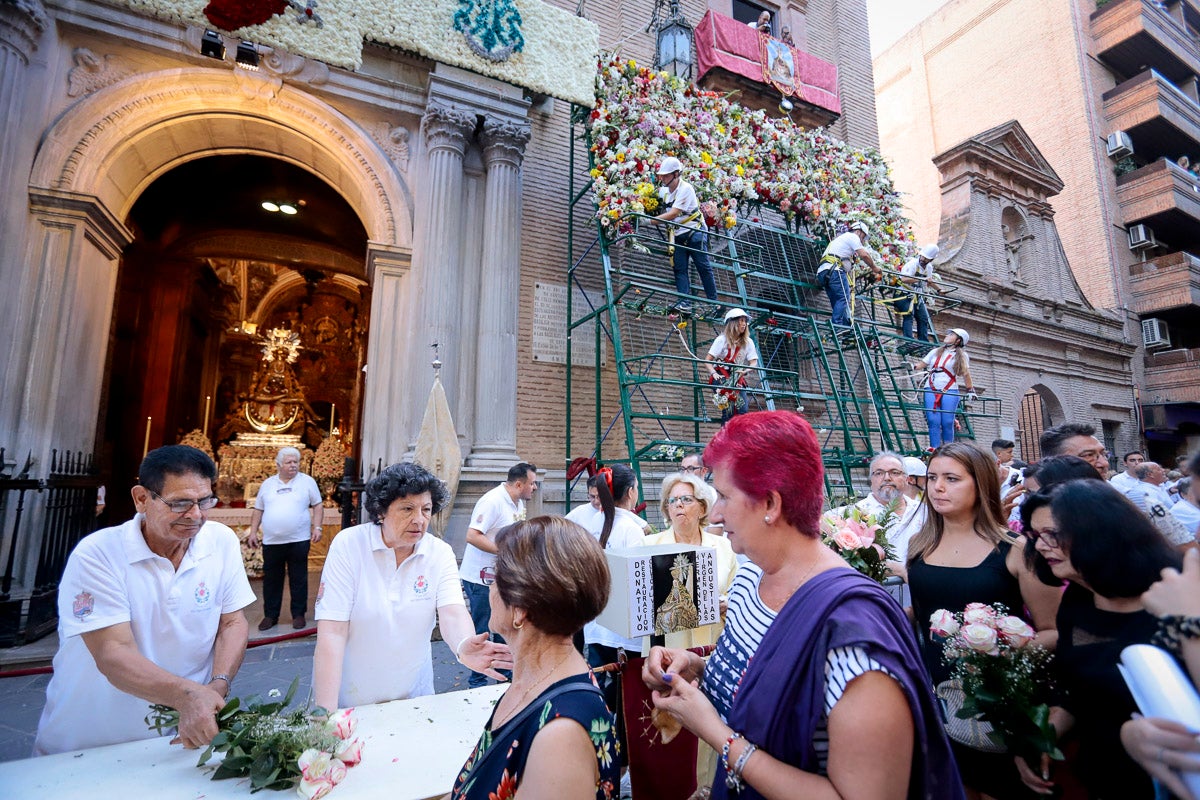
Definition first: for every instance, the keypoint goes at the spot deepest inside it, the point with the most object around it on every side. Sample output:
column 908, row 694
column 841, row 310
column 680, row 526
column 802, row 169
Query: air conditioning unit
column 1141, row 237
column 1119, row 145
column 1154, row 333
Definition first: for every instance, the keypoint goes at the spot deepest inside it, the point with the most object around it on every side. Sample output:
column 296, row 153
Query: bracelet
column 732, row 780
column 747, row 751
column 223, row 677
column 458, row 650
column 1173, row 629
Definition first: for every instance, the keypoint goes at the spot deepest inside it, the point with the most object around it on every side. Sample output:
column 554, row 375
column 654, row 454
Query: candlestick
column 207, row 400
column 146, row 443
column 332, row 414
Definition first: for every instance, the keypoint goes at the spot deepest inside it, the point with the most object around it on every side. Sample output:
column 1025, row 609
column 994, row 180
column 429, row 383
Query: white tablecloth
column 413, row 750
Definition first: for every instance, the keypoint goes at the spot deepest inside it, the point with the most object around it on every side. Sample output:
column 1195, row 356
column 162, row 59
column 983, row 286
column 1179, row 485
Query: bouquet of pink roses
column 860, row 539
column 277, row 748
column 999, row 678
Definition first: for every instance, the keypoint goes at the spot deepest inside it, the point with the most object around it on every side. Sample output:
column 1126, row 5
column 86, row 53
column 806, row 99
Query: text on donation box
column 661, row 589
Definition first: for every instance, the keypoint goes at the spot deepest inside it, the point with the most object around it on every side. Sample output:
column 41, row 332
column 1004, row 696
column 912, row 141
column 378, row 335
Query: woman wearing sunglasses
column 686, row 500
column 1086, row 533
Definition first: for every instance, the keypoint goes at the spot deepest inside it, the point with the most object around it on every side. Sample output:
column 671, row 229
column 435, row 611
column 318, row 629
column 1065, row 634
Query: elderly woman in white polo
column 384, row 585
column 686, row 500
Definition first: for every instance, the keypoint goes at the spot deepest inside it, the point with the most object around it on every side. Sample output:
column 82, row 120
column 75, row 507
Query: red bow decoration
column 581, row 465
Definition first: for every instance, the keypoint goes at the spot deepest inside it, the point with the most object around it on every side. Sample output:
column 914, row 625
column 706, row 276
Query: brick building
column 1107, row 93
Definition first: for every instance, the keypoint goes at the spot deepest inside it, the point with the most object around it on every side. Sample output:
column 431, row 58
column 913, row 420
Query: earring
column 518, row 627
column 767, row 519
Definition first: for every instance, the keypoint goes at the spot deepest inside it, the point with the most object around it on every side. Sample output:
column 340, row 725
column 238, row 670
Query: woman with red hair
column 835, row 701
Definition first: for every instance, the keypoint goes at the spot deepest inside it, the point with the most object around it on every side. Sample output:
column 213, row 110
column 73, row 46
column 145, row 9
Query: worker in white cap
column 732, row 354
column 947, row 372
column 917, row 274
column 914, row 472
column 837, row 262
column 687, row 233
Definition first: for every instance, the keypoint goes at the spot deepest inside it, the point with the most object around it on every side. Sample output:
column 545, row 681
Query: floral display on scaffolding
column 737, row 159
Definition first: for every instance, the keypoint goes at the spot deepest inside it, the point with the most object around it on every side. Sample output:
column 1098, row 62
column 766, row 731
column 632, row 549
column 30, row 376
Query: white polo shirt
column 912, row 268
column 113, row 577
column 391, row 611
column 684, row 199
column 285, row 506
column 626, row 532
column 493, row 511
column 842, row 247
column 585, row 516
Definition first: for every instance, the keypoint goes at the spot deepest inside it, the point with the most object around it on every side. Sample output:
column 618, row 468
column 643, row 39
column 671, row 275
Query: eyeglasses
column 184, row 506
column 684, row 500
column 891, row 473
column 1035, row 536
column 487, row 576
column 692, row 470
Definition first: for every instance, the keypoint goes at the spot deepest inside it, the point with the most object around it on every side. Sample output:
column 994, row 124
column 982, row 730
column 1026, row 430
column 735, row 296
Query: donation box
column 661, row 589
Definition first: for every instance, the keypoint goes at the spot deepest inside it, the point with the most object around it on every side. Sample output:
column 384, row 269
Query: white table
column 413, row 750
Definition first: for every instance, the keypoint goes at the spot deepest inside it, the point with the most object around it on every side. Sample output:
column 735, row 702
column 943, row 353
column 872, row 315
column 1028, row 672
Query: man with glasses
column 499, row 507
column 288, row 511
column 149, row 612
column 693, row 464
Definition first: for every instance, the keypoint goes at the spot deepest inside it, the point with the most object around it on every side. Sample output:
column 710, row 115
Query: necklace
column 521, row 700
column 799, row 583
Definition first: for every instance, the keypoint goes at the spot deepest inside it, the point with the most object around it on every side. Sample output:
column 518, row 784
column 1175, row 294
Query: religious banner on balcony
column 778, row 65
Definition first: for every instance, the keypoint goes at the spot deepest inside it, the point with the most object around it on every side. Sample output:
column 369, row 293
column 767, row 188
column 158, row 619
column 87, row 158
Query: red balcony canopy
column 725, row 43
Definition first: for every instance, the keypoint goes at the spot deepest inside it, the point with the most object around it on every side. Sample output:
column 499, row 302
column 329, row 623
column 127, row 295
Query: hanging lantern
column 673, row 51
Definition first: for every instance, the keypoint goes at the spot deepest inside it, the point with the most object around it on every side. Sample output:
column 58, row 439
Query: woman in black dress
column 965, row 554
column 550, row 735
column 1089, row 534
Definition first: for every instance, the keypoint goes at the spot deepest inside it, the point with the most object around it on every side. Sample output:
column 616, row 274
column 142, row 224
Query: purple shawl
column 782, row 695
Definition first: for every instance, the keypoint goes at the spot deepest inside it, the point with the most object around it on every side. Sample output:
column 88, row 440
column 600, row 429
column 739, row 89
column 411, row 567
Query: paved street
column 266, row 667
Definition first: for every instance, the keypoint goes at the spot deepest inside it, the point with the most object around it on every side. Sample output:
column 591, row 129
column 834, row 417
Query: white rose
column 1015, row 631
column 942, row 623
column 980, row 638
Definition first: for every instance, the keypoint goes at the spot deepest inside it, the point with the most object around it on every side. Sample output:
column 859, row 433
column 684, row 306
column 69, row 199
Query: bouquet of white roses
column 277, row 748
column 1003, row 678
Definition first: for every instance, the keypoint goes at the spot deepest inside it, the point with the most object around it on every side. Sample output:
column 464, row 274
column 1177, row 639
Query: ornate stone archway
column 90, row 168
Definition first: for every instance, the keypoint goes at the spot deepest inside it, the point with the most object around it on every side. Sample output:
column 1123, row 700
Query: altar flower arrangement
column 276, row 747
column 860, row 538
column 735, row 158
column 1003, row 676
column 198, row 440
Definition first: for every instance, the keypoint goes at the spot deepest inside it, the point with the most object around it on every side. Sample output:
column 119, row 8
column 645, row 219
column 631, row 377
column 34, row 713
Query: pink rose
column 864, row 532
column 1015, row 631
column 341, row 723
column 350, row 751
column 980, row 638
column 942, row 623
column 314, row 789
column 846, row 539
column 979, row 614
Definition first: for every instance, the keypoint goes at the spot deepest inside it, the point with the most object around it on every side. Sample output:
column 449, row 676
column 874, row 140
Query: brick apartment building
column 1107, row 93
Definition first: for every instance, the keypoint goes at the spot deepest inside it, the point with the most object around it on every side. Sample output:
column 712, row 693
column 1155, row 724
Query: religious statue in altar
column 678, row 612
column 275, row 402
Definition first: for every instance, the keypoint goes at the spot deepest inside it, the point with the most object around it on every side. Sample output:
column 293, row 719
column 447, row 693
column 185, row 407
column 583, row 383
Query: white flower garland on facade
column 558, row 57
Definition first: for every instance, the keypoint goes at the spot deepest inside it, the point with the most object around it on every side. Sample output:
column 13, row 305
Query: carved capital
column 22, row 23
column 504, row 141
column 447, row 127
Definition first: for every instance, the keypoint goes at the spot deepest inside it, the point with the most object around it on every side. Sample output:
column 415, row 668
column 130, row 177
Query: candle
column 332, row 414
column 146, row 443
column 207, row 400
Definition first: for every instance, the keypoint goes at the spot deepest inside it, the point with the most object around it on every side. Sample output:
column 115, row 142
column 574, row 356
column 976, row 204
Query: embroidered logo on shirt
column 83, row 606
column 203, row 595
column 479, row 518
column 420, row 585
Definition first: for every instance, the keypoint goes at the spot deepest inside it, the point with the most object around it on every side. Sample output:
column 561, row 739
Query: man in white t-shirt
column 288, row 511
column 1187, row 510
column 689, row 235
column 837, row 262
column 498, row 508
column 149, row 612
column 1148, row 495
column 1127, row 480
column 917, row 275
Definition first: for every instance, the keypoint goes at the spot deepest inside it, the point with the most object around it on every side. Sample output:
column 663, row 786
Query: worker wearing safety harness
column 835, row 265
column 688, row 236
column 917, row 275
column 947, row 369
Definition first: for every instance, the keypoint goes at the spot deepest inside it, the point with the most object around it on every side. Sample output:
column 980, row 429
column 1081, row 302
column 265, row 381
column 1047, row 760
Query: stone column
column 22, row 24
column 437, row 257
column 496, row 375
column 388, row 378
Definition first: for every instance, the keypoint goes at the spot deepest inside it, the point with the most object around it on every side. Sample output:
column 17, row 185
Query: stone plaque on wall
column 550, row 327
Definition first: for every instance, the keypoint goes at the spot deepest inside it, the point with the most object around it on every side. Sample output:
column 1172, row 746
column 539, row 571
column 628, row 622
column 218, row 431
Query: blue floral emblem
column 492, row 27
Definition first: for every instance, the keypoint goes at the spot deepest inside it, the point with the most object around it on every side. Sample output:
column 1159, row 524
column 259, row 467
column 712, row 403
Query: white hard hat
column 670, row 164
column 930, row 251
column 734, row 313
column 859, row 225
column 962, row 334
column 914, row 466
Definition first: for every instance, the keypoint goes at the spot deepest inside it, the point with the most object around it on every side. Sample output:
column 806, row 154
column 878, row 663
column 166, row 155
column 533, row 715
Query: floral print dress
column 497, row 778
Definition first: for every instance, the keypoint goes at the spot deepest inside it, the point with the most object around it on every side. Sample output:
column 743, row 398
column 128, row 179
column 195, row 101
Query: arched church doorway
column 241, row 313
column 1039, row 410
